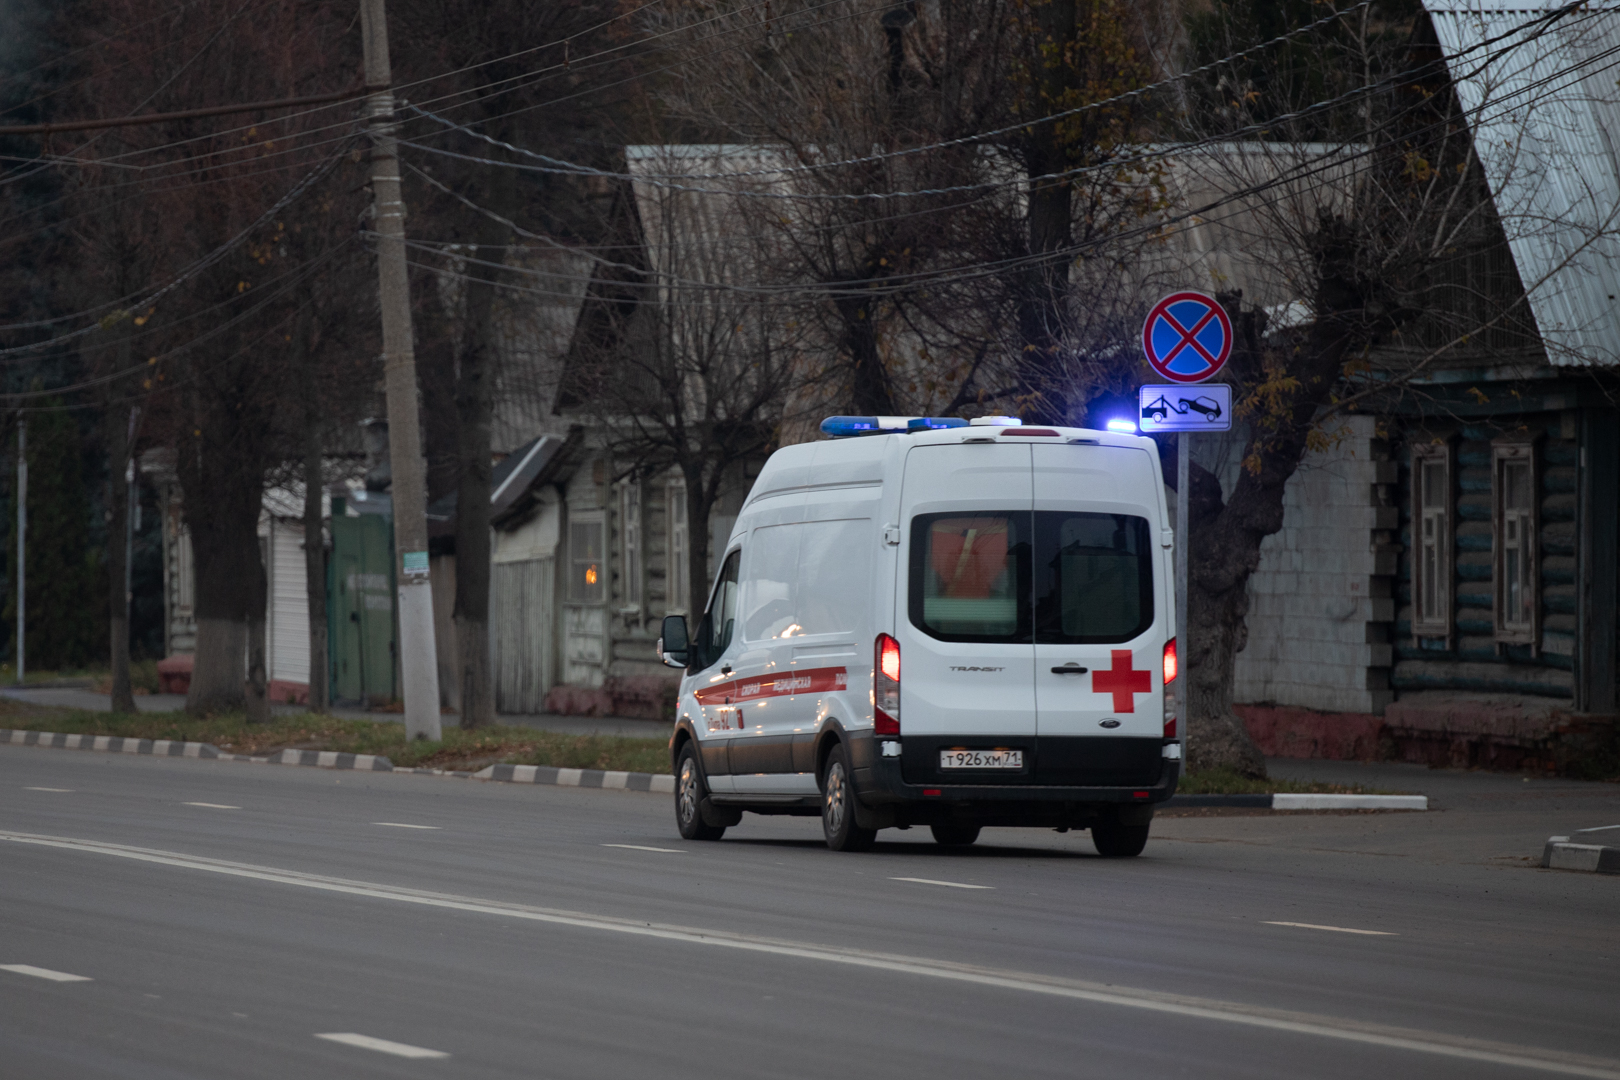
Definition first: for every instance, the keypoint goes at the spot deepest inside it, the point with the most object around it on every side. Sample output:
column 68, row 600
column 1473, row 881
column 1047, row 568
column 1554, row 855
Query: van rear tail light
column 1171, row 669
column 886, row 686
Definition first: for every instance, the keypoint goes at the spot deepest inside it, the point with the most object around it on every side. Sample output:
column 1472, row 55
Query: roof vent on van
column 843, row 427
column 996, row 421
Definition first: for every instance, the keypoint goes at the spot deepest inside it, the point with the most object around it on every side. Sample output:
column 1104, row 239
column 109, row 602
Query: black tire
column 838, row 807
column 954, row 835
column 690, row 791
column 1117, row 841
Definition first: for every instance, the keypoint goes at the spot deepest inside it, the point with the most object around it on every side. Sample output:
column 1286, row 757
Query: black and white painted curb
column 1286, row 801
column 622, row 781
column 1573, row 853
column 585, row 778
column 331, row 759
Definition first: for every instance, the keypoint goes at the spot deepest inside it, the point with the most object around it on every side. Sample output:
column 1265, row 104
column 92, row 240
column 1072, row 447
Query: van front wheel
column 689, row 795
column 838, row 807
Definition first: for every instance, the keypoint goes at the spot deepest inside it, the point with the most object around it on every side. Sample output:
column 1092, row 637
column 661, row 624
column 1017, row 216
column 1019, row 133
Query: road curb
column 116, row 744
column 584, row 778
column 1290, row 801
column 1562, row 854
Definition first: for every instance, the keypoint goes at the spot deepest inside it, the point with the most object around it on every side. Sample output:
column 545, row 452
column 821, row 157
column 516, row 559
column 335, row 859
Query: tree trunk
column 258, row 673
column 1050, row 225
column 475, row 399
column 222, row 512
column 699, row 502
column 115, row 425
column 869, row 379
column 1226, row 538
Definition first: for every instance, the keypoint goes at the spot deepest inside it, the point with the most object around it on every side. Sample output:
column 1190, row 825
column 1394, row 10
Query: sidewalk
column 562, row 725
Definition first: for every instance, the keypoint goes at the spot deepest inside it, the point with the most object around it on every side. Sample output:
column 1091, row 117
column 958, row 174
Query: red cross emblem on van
column 1122, row 681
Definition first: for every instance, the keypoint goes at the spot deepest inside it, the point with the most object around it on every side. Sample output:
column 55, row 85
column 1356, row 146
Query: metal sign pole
column 22, row 542
column 1183, row 552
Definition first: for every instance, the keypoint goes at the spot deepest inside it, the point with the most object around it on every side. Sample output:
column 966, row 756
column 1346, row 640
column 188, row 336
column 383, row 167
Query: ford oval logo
column 1109, row 723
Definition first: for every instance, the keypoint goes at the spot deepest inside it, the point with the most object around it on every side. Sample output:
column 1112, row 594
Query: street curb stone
column 1561, row 854
column 585, row 778
column 116, row 744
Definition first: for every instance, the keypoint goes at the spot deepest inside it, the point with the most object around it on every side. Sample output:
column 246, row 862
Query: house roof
column 511, row 478
column 1543, row 106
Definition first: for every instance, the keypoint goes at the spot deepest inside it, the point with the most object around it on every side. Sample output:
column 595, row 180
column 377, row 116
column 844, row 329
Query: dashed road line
column 1335, row 929
column 402, row 825
column 44, row 973
column 212, row 805
column 947, row 884
column 644, row 847
column 61, row 790
column 382, row 1046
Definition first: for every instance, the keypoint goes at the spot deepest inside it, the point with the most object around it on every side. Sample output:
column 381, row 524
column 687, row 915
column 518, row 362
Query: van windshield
column 1056, row 577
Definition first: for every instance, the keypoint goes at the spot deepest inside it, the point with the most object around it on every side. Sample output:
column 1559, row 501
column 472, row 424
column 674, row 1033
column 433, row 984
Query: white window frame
column 1515, row 531
column 1433, row 528
column 630, row 546
column 677, row 574
column 579, row 591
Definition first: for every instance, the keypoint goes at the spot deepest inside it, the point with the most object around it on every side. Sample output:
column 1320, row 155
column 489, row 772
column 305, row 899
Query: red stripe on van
column 737, row 691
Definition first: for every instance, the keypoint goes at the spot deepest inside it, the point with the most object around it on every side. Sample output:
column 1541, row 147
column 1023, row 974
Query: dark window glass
column 714, row 632
column 1093, row 577
column 970, row 576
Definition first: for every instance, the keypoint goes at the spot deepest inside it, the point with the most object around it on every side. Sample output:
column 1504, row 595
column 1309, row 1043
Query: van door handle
column 1071, row 668
column 726, row 670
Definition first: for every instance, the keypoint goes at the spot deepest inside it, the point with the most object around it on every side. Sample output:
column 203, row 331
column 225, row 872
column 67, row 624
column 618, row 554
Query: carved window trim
column 1434, row 504
column 1516, row 542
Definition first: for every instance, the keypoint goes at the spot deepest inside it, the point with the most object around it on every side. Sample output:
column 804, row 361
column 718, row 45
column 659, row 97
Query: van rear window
column 1071, row 578
column 970, row 576
column 1093, row 577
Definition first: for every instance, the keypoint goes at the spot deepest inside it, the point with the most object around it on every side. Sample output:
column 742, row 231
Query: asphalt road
column 228, row 917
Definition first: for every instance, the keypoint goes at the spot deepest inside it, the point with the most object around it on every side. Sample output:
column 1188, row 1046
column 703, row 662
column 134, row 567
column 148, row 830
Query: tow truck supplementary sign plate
column 1185, row 408
column 1187, row 337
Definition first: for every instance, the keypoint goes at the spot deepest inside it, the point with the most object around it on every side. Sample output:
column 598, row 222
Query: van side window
column 714, row 633
column 970, row 576
column 1093, row 577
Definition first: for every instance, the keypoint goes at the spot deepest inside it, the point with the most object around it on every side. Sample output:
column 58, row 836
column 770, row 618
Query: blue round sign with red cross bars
column 1187, row 337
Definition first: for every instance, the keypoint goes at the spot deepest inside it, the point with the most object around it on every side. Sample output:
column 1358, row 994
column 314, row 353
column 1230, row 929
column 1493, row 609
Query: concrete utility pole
column 419, row 663
column 22, row 539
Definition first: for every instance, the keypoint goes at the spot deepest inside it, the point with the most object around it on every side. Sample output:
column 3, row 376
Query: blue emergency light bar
column 842, row 427
column 1119, row 424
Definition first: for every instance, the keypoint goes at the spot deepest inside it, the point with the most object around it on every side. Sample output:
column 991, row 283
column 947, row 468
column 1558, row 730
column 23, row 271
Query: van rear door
column 1100, row 623
column 963, row 614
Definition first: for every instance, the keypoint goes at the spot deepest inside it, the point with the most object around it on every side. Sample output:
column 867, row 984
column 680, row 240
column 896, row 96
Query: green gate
column 360, row 608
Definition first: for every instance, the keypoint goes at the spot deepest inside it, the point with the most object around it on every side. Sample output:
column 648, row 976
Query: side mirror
column 674, row 646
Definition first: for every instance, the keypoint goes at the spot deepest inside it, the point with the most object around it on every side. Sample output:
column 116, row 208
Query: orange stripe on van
column 738, row 691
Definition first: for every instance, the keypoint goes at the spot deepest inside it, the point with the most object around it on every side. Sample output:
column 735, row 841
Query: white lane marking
column 44, row 973
column 63, row 790
column 1600, row 828
column 947, row 884
column 402, row 825
column 1335, row 929
column 212, row 805
column 644, row 847
column 1230, row 1012
column 382, row 1046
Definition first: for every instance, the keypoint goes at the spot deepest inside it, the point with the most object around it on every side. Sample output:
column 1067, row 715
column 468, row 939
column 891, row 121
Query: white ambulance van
column 937, row 623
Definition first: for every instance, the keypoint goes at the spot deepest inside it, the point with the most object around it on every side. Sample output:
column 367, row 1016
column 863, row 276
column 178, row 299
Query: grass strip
column 1230, row 782
column 460, row 750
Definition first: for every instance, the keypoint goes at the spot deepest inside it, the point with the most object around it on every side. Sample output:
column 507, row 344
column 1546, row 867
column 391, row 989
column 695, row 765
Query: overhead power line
column 184, row 114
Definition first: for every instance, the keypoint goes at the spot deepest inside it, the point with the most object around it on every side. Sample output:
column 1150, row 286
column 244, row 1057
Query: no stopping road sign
column 1187, row 337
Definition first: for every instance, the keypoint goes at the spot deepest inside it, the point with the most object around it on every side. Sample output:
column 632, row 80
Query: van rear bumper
column 881, row 783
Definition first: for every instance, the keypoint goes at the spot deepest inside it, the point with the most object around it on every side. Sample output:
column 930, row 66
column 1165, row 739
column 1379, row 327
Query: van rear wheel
column 838, row 807
column 954, row 835
column 690, row 791
column 1116, row 841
